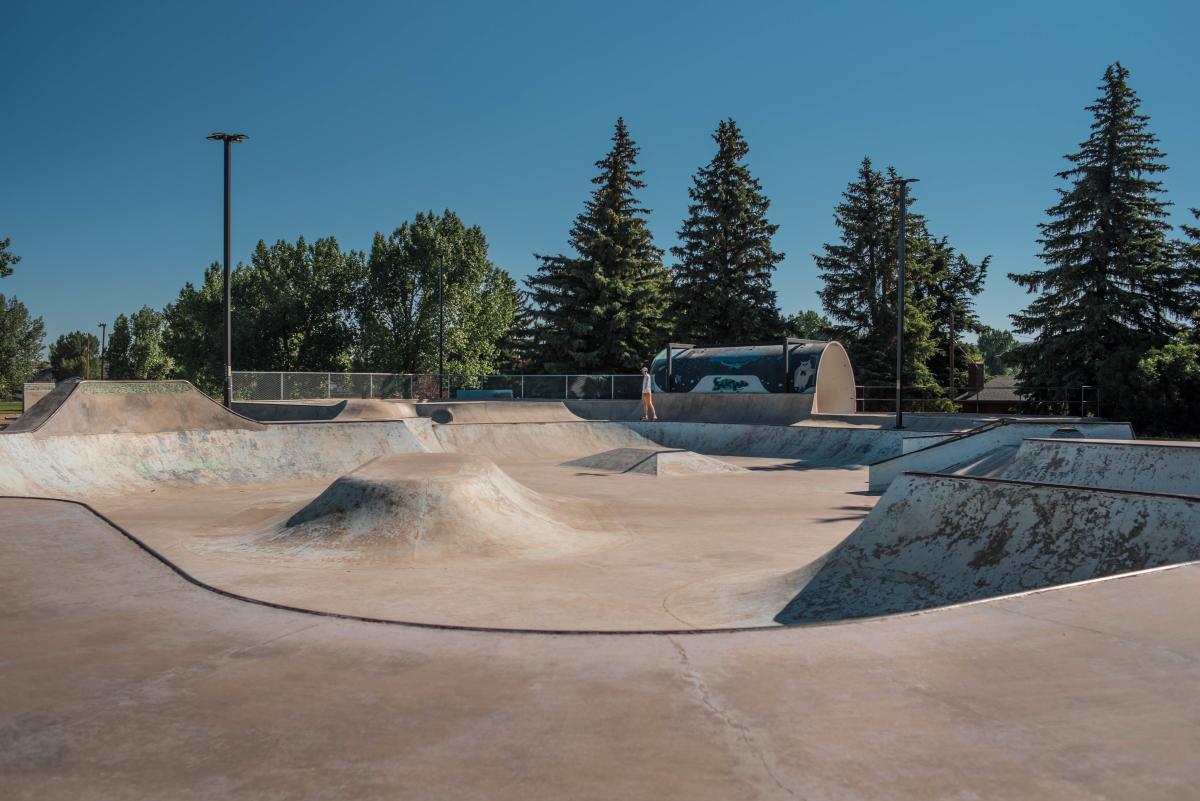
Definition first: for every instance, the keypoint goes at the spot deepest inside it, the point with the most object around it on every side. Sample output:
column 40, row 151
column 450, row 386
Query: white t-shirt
column 646, row 384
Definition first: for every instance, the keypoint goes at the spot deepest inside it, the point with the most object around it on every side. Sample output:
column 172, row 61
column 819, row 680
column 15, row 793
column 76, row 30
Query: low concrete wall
column 698, row 407
column 960, row 450
column 1133, row 465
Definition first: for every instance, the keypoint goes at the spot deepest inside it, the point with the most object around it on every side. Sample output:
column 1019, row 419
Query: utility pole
column 103, row 344
column 903, row 182
column 228, row 139
column 441, row 336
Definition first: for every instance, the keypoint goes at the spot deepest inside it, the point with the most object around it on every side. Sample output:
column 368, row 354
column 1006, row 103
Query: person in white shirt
column 647, row 395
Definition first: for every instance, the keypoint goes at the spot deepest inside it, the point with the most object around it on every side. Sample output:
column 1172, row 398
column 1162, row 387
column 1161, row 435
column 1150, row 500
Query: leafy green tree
column 1112, row 289
column 298, row 300
column 860, row 278
column 808, row 325
column 21, row 339
column 136, row 347
column 7, row 259
column 1165, row 391
column 194, row 338
column 994, row 345
column 75, row 355
column 604, row 309
column 397, row 302
column 722, row 280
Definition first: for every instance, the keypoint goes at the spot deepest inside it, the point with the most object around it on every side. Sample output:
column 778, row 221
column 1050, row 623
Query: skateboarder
column 647, row 395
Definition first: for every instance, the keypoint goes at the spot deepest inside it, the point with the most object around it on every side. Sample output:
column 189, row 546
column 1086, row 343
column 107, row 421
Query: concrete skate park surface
column 995, row 673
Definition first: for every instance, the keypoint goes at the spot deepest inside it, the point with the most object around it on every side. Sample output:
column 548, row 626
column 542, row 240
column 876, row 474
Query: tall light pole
column 103, row 342
column 903, row 183
column 229, row 139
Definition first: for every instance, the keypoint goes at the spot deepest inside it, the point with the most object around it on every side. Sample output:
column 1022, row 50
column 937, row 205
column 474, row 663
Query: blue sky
column 362, row 114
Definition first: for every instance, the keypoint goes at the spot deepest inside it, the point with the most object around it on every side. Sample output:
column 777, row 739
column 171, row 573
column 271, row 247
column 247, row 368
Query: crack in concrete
column 725, row 717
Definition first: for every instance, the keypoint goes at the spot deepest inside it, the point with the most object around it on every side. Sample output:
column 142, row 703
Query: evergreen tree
column 722, row 281
column 860, row 282
column 951, row 283
column 1111, row 290
column 604, row 309
column 1189, row 262
column 7, row 259
column 521, row 346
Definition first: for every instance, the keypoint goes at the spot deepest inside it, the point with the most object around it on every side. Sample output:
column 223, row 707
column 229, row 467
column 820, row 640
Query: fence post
column 329, row 385
column 281, row 396
column 612, row 387
column 522, row 387
column 565, row 377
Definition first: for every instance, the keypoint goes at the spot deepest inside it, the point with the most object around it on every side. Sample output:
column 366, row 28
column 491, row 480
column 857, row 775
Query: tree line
column 1115, row 307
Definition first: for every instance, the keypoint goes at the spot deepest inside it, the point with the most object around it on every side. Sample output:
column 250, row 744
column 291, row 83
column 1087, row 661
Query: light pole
column 228, row 139
column 103, row 342
column 903, row 183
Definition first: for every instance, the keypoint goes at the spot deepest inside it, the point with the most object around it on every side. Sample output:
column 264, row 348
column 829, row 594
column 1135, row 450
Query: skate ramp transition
column 127, row 407
column 654, row 462
column 937, row 540
column 1136, row 465
column 347, row 409
column 986, row 450
column 422, row 507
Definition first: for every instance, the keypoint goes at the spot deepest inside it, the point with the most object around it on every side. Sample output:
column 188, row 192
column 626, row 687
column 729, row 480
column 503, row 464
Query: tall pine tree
column 1111, row 290
column 951, row 283
column 860, row 282
column 604, row 309
column 722, row 281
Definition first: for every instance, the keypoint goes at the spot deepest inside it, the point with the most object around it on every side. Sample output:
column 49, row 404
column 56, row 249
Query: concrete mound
column 127, row 407
column 653, row 462
column 502, row 411
column 934, row 540
column 425, row 507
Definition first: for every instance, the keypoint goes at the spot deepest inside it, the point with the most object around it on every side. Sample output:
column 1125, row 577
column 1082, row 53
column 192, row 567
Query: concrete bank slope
column 324, row 411
column 122, row 681
column 1139, row 465
column 127, row 407
column 769, row 409
column 87, row 466
column 934, row 540
column 987, row 450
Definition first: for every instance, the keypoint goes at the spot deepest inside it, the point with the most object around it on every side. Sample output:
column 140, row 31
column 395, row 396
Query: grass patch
column 10, row 407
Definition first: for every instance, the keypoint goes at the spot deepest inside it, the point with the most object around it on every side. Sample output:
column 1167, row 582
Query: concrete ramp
column 502, row 411
column 538, row 442
column 654, row 462
column 984, row 450
column 127, row 407
column 1139, row 465
column 345, row 410
column 934, row 540
column 431, row 506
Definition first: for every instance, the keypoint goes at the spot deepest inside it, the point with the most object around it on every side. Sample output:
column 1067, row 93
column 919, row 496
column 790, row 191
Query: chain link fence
column 1059, row 401
column 269, row 386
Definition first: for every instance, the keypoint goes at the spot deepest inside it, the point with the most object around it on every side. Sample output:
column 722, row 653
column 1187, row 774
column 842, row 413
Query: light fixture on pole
column 903, row 201
column 228, row 139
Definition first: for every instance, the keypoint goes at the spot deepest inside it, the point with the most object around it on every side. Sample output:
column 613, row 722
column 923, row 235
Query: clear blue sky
column 362, row 113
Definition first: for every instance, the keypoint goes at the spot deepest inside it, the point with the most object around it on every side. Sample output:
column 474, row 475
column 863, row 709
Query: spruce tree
column 951, row 282
column 1111, row 289
column 604, row 309
column 722, row 281
column 7, row 258
column 1189, row 264
column 860, row 277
